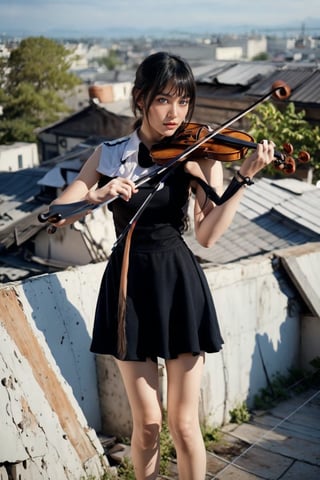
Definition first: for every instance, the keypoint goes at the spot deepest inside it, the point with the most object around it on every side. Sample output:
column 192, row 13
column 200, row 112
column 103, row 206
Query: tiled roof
column 293, row 199
column 273, row 214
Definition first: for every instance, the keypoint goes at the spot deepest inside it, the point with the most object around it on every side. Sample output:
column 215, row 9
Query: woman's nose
column 173, row 110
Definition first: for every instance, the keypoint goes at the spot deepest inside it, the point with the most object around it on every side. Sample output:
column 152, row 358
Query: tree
column 288, row 126
column 37, row 75
column 260, row 57
column 111, row 61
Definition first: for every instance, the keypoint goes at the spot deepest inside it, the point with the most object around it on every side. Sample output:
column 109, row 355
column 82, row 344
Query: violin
column 228, row 146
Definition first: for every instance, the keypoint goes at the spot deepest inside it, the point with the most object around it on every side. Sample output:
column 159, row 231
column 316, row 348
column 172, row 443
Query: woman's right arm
column 84, row 187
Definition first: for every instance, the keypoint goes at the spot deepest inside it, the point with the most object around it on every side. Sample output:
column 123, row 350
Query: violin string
column 263, row 437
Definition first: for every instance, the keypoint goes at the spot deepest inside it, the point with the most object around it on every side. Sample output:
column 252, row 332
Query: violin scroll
column 280, row 90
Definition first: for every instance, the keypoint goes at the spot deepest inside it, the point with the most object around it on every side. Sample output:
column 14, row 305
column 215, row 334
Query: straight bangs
column 181, row 88
column 176, row 83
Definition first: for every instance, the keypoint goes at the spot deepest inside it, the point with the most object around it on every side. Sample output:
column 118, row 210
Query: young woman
column 169, row 312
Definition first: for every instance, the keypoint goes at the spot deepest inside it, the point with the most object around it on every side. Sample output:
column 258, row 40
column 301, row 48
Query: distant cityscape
column 292, row 44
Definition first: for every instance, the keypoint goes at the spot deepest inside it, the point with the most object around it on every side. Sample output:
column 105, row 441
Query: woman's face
column 166, row 113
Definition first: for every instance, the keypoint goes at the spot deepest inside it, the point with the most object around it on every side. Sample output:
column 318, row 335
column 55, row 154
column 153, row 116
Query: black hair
column 154, row 74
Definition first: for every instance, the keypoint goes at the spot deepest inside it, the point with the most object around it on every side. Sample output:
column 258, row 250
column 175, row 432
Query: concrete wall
column 48, row 372
column 260, row 321
column 48, row 394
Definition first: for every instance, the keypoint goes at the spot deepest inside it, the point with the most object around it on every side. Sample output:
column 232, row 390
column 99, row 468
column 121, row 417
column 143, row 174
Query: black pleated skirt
column 169, row 310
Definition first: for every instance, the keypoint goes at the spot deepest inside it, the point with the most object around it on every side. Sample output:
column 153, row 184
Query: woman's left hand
column 259, row 159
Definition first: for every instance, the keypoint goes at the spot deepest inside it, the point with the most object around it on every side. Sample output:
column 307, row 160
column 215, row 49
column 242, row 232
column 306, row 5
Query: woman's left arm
column 210, row 220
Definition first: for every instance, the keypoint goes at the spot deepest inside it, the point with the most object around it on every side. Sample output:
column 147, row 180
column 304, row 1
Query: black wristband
column 245, row 180
column 233, row 187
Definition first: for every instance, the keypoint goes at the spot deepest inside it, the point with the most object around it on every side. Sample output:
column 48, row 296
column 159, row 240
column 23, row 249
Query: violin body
column 221, row 147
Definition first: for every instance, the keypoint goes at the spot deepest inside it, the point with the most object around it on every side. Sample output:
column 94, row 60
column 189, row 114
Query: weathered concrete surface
column 62, row 307
column 43, row 434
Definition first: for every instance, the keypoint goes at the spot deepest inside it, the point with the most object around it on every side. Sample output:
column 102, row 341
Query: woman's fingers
column 117, row 187
column 267, row 150
column 124, row 187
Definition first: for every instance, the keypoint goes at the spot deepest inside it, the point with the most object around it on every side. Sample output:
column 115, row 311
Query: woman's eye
column 184, row 101
column 162, row 100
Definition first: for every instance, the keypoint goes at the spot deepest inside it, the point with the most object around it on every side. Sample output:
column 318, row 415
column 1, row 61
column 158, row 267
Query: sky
column 208, row 16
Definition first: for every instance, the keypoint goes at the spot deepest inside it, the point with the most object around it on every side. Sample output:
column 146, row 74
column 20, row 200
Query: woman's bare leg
column 142, row 387
column 184, row 379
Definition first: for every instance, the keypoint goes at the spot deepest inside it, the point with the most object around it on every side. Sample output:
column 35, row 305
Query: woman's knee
column 147, row 433
column 183, row 430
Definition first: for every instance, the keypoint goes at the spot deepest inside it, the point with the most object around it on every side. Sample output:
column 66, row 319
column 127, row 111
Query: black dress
column 169, row 304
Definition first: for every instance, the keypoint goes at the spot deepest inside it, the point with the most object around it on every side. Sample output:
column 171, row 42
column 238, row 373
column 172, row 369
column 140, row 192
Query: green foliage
column 281, row 386
column 125, row 470
column 284, row 127
column 210, row 436
column 166, row 446
column 111, row 61
column 37, row 74
column 240, row 414
column 260, row 57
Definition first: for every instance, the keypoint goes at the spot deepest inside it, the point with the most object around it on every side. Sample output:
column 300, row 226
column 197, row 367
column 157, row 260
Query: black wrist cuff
column 232, row 188
column 245, row 180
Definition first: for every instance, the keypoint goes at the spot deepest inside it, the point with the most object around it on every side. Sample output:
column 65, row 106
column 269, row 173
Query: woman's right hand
column 117, row 187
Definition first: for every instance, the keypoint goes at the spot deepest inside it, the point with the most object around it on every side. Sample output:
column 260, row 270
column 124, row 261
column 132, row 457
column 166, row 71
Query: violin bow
column 280, row 90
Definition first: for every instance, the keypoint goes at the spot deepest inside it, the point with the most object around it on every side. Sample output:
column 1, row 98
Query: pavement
column 281, row 443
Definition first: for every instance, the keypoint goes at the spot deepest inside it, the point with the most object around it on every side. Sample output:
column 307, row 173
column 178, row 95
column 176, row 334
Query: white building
column 17, row 156
column 240, row 47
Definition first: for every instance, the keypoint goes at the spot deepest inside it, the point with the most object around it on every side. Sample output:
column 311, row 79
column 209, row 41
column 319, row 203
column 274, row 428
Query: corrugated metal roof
column 296, row 78
column 244, row 74
column 233, row 73
column 258, row 78
column 309, row 91
column 208, row 73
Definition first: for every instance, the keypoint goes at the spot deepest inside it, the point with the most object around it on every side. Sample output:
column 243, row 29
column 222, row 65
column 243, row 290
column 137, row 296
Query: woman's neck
column 147, row 139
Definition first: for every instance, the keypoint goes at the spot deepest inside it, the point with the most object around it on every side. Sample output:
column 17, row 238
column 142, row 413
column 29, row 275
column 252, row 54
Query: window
column 20, row 161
